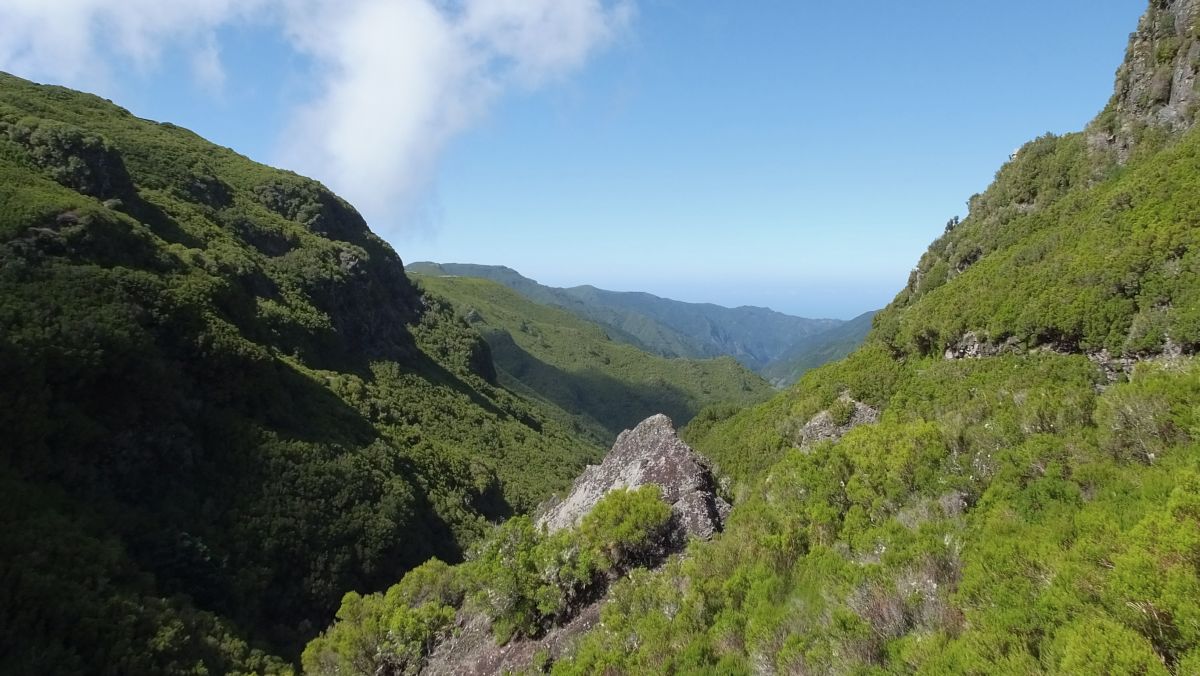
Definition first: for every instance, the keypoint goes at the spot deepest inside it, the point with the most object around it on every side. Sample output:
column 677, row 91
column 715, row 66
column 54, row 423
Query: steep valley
column 778, row 346
column 240, row 436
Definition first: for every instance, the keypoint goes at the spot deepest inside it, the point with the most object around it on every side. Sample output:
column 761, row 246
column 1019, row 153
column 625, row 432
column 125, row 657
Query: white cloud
column 397, row 78
column 403, row 77
column 207, row 68
column 86, row 43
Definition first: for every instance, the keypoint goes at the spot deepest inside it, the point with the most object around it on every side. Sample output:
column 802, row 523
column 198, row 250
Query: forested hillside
column 224, row 403
column 1006, row 477
column 813, row 351
column 551, row 355
column 775, row 345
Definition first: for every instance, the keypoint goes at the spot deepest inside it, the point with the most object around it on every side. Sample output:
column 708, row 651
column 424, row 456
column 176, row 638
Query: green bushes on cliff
column 1000, row 510
column 1055, row 259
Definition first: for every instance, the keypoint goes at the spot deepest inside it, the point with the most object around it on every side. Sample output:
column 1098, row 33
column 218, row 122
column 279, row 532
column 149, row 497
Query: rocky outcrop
column 1156, row 84
column 831, row 424
column 471, row 651
column 971, row 346
column 650, row 453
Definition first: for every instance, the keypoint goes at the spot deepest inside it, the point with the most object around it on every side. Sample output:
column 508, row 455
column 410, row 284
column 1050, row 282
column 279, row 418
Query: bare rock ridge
column 650, row 453
column 1156, row 86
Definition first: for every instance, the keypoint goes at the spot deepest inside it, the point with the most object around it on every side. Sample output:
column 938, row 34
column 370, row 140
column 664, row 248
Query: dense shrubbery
column 1047, row 258
column 520, row 578
column 1000, row 514
column 745, row 445
column 389, row 632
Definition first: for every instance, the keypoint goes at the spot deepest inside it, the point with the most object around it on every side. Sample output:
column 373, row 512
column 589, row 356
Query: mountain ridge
column 755, row 336
column 553, row 354
column 214, row 369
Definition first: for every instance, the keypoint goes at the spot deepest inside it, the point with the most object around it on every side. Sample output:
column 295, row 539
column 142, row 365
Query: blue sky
column 797, row 155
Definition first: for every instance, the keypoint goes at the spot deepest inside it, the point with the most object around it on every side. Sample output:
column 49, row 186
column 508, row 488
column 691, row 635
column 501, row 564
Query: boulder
column 650, row 453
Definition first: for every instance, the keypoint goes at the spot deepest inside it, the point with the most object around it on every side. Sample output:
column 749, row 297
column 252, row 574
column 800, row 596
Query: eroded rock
column 650, row 453
column 830, row 424
column 971, row 346
column 1157, row 83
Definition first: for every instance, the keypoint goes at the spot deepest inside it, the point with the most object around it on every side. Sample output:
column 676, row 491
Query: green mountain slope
column 1006, row 477
column 754, row 336
column 550, row 354
column 812, row 351
column 224, row 403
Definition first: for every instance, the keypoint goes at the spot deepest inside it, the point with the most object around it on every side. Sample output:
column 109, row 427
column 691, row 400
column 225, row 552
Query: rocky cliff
column 1156, row 88
column 650, row 453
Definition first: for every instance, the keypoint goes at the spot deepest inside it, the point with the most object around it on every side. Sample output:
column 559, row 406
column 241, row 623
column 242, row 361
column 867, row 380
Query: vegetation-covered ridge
column 812, row 351
column 570, row 363
column 224, row 403
column 1085, row 242
column 774, row 344
column 522, row 580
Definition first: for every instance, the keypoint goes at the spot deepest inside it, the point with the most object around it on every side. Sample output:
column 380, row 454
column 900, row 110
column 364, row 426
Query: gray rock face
column 824, row 427
column 1156, row 85
column 650, row 453
column 971, row 346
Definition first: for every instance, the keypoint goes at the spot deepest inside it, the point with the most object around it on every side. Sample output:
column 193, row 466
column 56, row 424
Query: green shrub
column 525, row 580
column 841, row 412
column 626, row 527
column 378, row 634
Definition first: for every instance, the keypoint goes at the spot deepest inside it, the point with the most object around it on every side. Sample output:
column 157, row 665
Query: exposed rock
column 971, row 346
column 1156, row 84
column 650, row 453
column 473, row 652
column 1114, row 368
column 831, row 424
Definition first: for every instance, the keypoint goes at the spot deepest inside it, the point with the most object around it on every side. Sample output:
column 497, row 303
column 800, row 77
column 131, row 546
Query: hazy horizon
column 705, row 154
